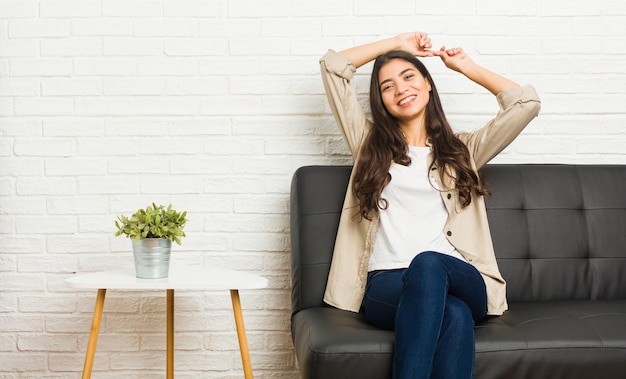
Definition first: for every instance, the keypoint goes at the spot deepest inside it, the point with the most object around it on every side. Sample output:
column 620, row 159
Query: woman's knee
column 425, row 267
column 426, row 261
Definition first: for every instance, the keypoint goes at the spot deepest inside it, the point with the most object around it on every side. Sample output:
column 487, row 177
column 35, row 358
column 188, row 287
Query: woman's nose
column 400, row 89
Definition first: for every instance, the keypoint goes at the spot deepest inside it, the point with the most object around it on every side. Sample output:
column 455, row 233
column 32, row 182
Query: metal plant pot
column 152, row 257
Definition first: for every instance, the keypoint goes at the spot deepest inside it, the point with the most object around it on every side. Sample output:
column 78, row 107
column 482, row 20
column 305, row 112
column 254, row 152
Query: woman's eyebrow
column 401, row 73
column 383, row 82
column 406, row 70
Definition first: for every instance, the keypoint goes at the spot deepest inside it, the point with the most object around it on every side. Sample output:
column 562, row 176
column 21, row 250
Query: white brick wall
column 108, row 105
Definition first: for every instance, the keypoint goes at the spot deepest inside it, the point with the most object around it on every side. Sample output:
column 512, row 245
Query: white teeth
column 406, row 100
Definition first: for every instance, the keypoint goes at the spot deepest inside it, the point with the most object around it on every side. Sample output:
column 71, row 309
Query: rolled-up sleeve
column 518, row 107
column 337, row 72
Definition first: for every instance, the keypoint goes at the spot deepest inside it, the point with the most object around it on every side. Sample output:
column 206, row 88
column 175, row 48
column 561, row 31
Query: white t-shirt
column 415, row 215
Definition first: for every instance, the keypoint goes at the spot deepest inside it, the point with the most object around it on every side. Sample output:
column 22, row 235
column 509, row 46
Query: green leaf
column 153, row 221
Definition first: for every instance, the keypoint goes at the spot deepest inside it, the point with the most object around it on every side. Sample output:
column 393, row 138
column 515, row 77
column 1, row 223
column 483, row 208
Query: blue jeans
column 432, row 305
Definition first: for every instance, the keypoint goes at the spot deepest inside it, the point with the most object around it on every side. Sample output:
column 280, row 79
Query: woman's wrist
column 470, row 69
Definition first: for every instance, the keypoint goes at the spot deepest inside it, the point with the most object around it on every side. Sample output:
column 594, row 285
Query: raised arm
column 518, row 106
column 457, row 60
column 416, row 43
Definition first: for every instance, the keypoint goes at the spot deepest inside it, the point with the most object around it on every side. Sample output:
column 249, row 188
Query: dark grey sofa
column 559, row 233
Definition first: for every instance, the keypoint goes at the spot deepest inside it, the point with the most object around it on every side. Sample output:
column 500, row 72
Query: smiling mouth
column 407, row 100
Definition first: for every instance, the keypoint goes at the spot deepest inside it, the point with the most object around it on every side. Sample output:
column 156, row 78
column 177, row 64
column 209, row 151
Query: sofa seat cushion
column 332, row 343
column 557, row 339
column 566, row 339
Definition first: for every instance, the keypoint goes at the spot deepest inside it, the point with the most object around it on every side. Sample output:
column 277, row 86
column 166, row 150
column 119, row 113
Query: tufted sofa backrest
column 559, row 231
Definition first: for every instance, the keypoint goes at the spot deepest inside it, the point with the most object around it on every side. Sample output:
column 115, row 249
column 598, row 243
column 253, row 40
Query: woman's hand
column 455, row 59
column 416, row 43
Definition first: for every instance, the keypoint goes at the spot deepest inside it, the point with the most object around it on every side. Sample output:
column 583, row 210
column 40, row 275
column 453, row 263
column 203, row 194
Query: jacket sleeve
column 337, row 72
column 518, row 107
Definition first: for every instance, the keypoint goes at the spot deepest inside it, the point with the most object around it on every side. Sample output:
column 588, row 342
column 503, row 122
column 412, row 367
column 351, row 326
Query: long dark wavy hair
column 386, row 143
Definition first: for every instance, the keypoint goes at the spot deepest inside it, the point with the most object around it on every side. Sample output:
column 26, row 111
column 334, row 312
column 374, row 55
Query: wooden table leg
column 170, row 334
column 93, row 334
column 241, row 334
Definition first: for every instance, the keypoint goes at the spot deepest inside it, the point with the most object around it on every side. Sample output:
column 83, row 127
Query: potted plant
column 152, row 231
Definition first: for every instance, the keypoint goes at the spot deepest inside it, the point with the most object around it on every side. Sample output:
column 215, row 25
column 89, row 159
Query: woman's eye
column 387, row 87
column 409, row 77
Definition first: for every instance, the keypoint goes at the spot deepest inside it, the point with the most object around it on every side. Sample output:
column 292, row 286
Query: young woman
column 413, row 249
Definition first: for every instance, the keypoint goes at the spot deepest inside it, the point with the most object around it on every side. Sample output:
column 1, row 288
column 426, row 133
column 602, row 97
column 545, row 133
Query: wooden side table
column 181, row 277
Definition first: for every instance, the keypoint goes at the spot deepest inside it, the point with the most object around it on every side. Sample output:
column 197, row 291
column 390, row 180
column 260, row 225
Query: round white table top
column 181, row 277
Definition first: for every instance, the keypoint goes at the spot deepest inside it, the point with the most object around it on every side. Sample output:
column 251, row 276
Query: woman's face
column 404, row 91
